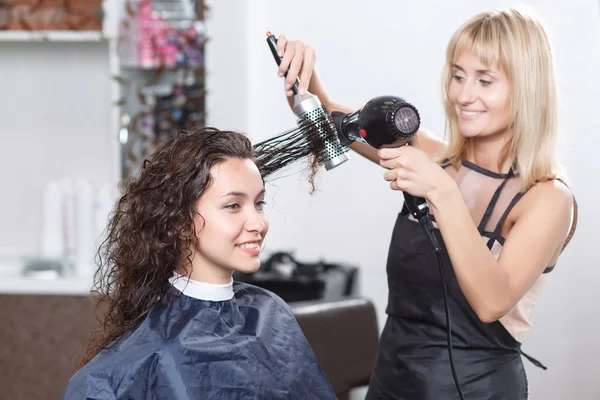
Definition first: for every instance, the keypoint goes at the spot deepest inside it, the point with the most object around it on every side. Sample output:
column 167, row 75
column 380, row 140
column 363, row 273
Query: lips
column 470, row 114
column 251, row 248
column 249, row 245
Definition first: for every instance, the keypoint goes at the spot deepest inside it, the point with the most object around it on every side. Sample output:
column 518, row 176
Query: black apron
column 413, row 361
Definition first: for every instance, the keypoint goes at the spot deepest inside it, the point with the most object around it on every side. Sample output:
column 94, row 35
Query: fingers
column 298, row 61
column 400, row 184
column 391, row 163
column 390, row 175
column 286, row 58
column 281, row 42
column 289, row 92
column 397, row 179
column 405, row 152
column 295, row 65
column 282, row 46
column 396, row 175
column 390, row 153
column 307, row 69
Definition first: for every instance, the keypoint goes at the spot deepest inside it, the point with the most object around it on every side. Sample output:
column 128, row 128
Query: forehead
column 485, row 45
column 471, row 62
column 234, row 174
column 469, row 59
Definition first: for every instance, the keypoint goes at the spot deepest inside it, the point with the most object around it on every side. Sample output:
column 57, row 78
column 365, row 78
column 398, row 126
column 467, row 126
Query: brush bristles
column 307, row 141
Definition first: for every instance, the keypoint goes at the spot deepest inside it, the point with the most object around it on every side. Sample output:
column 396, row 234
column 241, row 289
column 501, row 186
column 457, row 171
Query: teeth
column 249, row 245
column 471, row 113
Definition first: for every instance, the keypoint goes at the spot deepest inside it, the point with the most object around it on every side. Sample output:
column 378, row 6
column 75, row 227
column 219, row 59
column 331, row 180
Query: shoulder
column 551, row 195
column 547, row 205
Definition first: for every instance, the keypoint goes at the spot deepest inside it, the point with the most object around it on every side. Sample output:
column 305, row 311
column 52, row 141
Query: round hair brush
column 314, row 137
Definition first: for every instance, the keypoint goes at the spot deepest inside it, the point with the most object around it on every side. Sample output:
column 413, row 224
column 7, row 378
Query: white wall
column 55, row 123
column 365, row 49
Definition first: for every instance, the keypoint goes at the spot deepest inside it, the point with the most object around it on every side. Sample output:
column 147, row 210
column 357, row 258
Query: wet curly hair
column 151, row 230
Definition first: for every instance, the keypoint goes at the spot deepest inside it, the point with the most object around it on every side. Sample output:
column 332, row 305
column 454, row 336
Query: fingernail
column 288, row 86
column 302, row 91
column 280, row 73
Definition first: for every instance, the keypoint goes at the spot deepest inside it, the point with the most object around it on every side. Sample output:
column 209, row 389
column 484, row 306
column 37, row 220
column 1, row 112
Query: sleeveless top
column 413, row 360
column 490, row 197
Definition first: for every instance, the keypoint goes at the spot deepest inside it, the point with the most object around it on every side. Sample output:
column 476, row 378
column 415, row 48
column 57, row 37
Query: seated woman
column 177, row 326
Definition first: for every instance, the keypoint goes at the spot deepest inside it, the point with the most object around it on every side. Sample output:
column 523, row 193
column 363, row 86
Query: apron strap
column 534, row 361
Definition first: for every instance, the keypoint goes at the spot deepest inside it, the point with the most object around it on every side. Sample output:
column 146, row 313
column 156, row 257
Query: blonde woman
column 502, row 212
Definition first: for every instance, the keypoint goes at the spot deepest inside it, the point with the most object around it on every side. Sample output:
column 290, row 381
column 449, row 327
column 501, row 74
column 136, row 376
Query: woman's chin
column 469, row 133
column 248, row 268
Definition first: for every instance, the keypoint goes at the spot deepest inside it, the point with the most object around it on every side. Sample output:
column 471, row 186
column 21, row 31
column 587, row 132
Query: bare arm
column 493, row 287
column 538, row 227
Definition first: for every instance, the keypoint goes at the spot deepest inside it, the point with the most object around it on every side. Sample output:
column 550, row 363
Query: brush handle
column 272, row 42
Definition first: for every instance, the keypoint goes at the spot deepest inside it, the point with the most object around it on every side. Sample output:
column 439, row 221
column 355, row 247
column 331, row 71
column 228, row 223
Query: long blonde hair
column 518, row 42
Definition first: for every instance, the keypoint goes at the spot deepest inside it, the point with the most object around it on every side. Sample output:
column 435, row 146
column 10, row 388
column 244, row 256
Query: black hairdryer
column 386, row 121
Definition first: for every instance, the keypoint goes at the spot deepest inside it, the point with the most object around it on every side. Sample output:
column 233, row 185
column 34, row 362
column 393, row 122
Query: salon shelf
column 51, row 36
column 11, row 282
column 37, row 286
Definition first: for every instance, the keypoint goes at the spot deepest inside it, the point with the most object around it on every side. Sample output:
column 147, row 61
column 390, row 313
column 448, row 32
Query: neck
column 486, row 152
column 203, row 270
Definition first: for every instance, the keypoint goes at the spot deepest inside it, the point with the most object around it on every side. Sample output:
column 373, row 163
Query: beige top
column 490, row 197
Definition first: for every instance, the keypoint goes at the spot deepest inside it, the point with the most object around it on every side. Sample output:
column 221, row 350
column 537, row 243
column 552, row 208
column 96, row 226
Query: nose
column 256, row 222
column 467, row 94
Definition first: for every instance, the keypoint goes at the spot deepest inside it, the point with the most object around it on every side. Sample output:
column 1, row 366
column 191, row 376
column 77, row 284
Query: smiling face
column 230, row 222
column 480, row 96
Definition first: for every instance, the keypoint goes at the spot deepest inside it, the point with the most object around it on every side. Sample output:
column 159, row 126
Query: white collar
column 202, row 290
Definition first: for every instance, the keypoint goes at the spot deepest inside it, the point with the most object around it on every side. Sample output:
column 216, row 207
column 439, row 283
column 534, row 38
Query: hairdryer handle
column 419, row 208
column 416, row 205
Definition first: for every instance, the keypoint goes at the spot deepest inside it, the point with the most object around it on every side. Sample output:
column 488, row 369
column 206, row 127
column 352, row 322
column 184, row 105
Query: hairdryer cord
column 448, row 328
column 425, row 221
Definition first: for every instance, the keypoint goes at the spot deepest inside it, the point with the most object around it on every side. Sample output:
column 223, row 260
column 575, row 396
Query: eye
column 261, row 204
column 458, row 78
column 232, row 206
column 484, row 82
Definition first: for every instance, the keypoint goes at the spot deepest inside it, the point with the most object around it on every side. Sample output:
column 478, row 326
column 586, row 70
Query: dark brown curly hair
column 151, row 229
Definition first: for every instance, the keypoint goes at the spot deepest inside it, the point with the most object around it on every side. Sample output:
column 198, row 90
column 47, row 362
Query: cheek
column 452, row 93
column 219, row 231
column 501, row 108
column 499, row 100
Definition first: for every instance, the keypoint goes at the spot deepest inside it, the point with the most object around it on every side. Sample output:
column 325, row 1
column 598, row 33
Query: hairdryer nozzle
column 406, row 119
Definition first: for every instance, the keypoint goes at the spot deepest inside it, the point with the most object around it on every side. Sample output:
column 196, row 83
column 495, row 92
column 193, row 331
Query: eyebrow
column 480, row 71
column 242, row 194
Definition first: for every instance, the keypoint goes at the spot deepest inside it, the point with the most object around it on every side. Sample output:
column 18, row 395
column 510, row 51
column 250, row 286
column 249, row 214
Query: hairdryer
column 386, row 121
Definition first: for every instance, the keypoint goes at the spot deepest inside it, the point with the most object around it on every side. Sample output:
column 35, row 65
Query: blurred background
column 89, row 87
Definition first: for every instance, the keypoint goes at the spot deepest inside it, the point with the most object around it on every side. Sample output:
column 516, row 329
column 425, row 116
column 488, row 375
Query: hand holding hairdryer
column 386, row 121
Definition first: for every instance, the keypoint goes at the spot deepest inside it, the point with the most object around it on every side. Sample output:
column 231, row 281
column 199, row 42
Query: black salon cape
column 249, row 347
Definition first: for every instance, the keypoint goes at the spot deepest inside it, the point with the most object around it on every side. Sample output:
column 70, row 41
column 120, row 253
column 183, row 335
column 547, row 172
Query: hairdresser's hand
column 411, row 170
column 298, row 60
